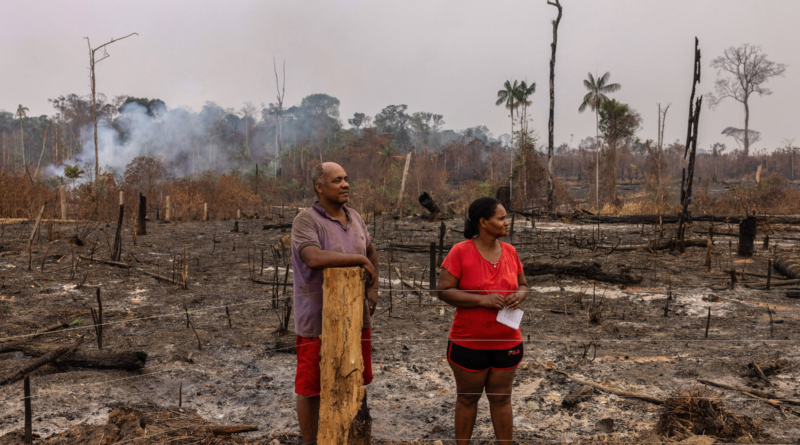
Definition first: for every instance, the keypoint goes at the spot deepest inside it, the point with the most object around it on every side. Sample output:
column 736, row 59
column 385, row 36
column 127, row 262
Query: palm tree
column 509, row 97
column 524, row 91
column 22, row 112
column 594, row 99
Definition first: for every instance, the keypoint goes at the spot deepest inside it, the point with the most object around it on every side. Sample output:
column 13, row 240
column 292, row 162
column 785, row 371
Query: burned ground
column 615, row 335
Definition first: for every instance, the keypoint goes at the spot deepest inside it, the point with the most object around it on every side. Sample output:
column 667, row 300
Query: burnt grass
column 607, row 333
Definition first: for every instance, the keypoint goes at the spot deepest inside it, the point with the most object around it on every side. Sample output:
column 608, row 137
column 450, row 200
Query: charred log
column 587, row 269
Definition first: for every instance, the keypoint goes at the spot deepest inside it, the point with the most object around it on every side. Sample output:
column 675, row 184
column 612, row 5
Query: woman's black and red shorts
column 477, row 360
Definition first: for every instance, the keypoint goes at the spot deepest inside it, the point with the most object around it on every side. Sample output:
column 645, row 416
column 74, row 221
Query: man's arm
column 316, row 258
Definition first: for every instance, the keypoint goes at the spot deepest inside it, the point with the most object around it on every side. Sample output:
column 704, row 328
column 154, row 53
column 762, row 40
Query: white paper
column 510, row 317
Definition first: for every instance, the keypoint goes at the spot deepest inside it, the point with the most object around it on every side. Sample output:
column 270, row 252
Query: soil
column 244, row 373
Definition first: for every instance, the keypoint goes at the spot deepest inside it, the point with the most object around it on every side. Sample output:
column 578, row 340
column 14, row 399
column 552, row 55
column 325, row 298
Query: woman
column 479, row 277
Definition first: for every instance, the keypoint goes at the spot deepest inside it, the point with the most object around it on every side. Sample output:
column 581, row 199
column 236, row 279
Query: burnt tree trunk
column 747, row 236
column 588, row 269
column 91, row 358
column 550, row 183
column 142, row 215
column 690, row 149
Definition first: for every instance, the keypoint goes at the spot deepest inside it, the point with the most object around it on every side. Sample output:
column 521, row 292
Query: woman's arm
column 447, row 291
column 514, row 300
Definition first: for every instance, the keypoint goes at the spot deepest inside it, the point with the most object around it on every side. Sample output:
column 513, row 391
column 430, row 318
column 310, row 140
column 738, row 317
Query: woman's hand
column 493, row 301
column 513, row 301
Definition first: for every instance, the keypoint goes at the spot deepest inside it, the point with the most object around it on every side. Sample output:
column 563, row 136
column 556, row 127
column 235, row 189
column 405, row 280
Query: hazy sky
column 443, row 56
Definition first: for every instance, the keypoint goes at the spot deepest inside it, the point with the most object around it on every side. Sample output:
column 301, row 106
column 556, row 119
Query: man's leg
column 308, row 418
column 307, row 387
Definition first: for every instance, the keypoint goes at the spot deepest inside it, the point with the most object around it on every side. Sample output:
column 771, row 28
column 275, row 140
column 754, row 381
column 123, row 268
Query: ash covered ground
column 616, row 335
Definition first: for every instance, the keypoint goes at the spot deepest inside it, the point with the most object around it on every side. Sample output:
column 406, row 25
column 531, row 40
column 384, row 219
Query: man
column 329, row 234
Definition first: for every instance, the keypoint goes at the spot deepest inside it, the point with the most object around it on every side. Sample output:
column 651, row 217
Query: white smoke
column 178, row 136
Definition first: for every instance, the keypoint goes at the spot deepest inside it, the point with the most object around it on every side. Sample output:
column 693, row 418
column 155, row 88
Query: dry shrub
column 21, row 199
column 700, row 412
column 147, row 175
column 774, row 195
column 224, row 194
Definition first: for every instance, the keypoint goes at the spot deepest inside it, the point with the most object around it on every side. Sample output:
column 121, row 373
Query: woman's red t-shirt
column 477, row 327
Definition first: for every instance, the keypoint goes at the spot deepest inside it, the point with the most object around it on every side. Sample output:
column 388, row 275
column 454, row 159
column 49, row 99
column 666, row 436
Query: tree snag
column 550, row 143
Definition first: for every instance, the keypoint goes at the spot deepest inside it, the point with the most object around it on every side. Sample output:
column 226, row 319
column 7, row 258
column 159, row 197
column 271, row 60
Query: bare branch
column 114, row 40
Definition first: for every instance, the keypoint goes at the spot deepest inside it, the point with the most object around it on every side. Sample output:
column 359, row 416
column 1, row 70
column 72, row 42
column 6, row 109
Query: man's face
column 336, row 188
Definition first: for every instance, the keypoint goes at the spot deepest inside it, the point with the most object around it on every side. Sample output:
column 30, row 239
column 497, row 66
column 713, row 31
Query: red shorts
column 307, row 378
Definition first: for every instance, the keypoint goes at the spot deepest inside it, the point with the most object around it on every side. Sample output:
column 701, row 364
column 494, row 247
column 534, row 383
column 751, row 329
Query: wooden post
column 238, row 214
column 442, row 233
column 28, row 413
column 343, row 415
column 63, row 192
column 403, row 184
column 769, row 273
column 709, row 247
column 205, row 211
column 511, row 232
column 168, row 210
column 116, row 253
column 142, row 215
column 433, row 267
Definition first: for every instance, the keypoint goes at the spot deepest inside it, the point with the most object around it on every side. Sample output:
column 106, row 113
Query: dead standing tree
column 93, row 61
column 278, row 112
column 749, row 68
column 550, row 184
column 687, row 176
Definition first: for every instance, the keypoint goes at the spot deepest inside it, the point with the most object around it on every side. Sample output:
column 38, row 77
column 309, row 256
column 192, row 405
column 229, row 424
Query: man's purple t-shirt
column 314, row 227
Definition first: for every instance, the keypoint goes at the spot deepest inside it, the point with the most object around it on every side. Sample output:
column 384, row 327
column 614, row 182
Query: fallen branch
column 618, row 392
column 39, row 362
column 661, row 245
column 109, row 262
column 758, row 395
column 227, row 430
column 750, row 391
column 51, row 328
column 157, row 276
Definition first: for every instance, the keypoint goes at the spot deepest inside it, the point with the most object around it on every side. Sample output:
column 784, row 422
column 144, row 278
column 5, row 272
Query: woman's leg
column 469, row 386
column 498, row 391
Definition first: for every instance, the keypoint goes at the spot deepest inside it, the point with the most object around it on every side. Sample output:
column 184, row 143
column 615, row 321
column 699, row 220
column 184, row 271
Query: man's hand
column 367, row 265
column 514, row 300
column 372, row 298
column 493, row 301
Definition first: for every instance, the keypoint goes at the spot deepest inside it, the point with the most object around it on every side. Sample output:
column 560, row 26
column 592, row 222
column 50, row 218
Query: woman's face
column 497, row 225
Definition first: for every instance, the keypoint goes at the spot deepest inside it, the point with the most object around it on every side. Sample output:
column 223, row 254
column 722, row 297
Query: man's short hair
column 318, row 177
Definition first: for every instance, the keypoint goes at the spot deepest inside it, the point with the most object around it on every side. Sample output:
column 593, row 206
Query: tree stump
column 343, row 416
column 747, row 236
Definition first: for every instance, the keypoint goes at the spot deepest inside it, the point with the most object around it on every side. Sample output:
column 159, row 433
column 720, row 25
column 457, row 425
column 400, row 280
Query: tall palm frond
column 524, row 91
column 508, row 95
column 597, row 91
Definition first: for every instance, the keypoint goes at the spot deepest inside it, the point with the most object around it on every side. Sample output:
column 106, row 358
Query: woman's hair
column 480, row 208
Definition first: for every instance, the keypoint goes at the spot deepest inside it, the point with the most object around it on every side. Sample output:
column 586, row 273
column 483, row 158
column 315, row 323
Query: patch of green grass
column 76, row 322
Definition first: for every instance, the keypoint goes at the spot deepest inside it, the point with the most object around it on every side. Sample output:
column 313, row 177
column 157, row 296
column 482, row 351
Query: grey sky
column 448, row 57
